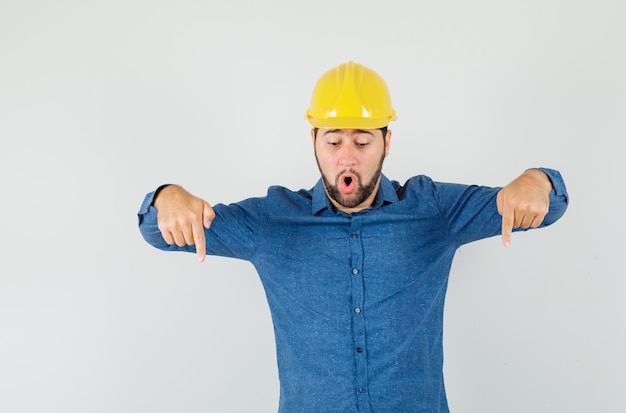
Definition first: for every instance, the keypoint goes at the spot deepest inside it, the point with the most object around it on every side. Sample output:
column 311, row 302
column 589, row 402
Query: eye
column 362, row 144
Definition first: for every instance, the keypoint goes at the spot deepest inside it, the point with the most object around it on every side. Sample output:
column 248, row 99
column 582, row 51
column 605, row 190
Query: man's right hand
column 183, row 217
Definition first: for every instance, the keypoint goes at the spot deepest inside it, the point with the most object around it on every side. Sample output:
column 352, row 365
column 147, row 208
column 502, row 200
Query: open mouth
column 347, row 184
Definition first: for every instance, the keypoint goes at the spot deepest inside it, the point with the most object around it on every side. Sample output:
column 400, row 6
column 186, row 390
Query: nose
column 347, row 156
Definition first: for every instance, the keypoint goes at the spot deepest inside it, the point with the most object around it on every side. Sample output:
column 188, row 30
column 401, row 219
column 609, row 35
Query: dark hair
column 383, row 130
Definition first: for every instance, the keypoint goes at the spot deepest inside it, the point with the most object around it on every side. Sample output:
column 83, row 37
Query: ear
column 387, row 142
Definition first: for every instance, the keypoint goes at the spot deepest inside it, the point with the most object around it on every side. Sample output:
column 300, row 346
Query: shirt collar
column 386, row 194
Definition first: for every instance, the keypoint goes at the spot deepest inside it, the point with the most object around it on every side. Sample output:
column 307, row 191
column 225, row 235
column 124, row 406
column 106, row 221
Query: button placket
column 358, row 301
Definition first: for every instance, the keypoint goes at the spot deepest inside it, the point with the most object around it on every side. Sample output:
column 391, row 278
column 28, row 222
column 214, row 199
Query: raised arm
column 172, row 219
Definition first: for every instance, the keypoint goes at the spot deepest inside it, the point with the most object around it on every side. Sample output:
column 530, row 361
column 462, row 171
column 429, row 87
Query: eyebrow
column 356, row 131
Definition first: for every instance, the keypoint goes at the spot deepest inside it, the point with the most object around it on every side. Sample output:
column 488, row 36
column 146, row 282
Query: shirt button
column 355, row 271
column 361, row 389
column 353, row 236
column 357, row 310
column 359, row 350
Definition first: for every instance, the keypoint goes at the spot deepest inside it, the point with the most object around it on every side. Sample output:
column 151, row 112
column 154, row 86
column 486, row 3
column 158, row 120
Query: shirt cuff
column 148, row 201
column 557, row 181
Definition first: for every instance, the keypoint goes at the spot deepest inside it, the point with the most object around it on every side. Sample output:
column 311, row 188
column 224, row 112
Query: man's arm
column 524, row 202
column 172, row 219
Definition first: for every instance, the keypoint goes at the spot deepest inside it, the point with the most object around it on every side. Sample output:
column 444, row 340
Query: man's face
column 351, row 161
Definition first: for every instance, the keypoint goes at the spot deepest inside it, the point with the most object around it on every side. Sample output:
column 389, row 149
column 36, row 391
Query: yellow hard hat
column 350, row 96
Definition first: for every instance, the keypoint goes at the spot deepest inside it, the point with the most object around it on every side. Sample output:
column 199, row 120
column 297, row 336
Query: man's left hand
column 524, row 202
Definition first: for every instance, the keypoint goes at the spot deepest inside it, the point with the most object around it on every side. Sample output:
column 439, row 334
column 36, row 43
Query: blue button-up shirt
column 356, row 299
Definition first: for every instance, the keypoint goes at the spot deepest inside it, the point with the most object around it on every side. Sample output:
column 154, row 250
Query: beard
column 362, row 191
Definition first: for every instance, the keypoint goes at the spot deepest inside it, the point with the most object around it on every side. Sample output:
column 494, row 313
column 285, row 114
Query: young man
column 355, row 269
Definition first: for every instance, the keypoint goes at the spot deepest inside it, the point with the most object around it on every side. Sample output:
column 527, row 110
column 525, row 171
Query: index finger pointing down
column 200, row 241
column 508, row 218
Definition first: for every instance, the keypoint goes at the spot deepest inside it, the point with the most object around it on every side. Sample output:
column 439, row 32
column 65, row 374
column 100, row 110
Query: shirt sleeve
column 471, row 213
column 233, row 232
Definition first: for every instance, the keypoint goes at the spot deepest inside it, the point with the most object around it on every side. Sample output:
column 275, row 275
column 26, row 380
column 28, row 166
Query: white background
column 102, row 101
